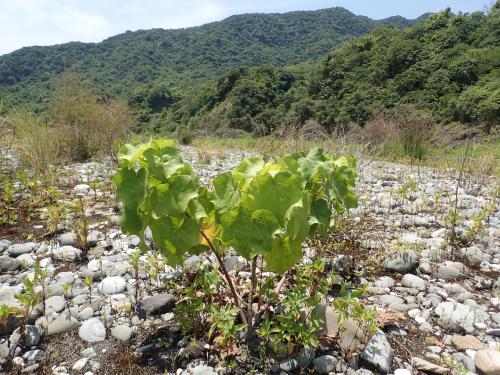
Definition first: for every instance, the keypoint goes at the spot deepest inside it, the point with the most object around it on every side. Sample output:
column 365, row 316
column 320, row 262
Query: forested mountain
column 122, row 62
column 447, row 68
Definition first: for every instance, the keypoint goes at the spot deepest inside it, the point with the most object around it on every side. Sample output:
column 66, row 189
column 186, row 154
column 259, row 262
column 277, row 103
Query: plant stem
column 250, row 297
column 229, row 281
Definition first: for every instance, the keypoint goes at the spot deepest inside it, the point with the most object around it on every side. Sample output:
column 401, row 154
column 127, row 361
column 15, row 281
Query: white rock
column 66, row 253
column 92, row 330
column 80, row 364
column 112, row 285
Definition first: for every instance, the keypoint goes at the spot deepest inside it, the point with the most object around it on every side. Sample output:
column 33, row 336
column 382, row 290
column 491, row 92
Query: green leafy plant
column 223, row 322
column 261, row 209
column 80, row 226
column 29, row 298
column 134, row 262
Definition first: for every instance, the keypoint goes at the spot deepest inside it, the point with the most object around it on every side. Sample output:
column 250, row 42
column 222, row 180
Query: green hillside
column 123, row 62
column 447, row 67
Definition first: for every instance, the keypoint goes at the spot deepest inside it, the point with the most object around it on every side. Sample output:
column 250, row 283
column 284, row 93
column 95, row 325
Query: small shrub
column 185, row 136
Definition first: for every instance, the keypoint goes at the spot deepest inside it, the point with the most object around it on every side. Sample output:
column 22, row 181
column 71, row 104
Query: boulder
column 92, row 330
column 487, row 362
column 158, row 304
column 378, row 353
column 112, row 285
column 402, row 262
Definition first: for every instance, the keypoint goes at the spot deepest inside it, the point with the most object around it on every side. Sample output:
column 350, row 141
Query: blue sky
column 46, row 22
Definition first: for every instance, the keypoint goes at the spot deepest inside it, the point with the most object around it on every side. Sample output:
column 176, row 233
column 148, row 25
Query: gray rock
column 54, row 304
column 26, row 260
column 447, row 273
column 67, row 239
column 8, row 264
column 325, row 364
column 465, row 360
column 496, row 288
column 384, row 282
column 121, row 332
column 378, row 353
column 19, row 249
column 455, row 316
column 62, row 323
column 92, row 330
column 4, row 349
column 158, row 304
column 112, row 285
column 474, row 255
column 31, row 338
column 412, row 281
column 81, row 189
column 402, row 262
column 394, row 302
column 66, row 253
column 306, row 356
column 426, row 366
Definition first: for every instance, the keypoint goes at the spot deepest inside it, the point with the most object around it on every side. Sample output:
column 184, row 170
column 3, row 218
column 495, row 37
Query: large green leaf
column 284, row 254
column 262, row 229
column 297, row 223
column 236, row 230
column 227, row 194
column 174, row 237
column 130, row 186
column 172, row 198
column 275, row 194
column 320, row 216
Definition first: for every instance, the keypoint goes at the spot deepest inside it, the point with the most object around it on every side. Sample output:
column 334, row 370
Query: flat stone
column 92, row 330
column 378, row 353
column 199, row 370
column 412, row 281
column 62, row 323
column 19, row 248
column 66, row 253
column 463, row 343
column 426, row 366
column 112, row 285
column 81, row 189
column 158, row 304
column 394, row 302
column 80, row 364
column 55, row 304
column 67, row 239
column 402, row 262
column 8, row 264
column 121, row 332
column 26, row 260
column 487, row 362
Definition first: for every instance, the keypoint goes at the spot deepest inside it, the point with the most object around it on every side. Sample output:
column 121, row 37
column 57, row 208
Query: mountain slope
column 142, row 57
column 446, row 69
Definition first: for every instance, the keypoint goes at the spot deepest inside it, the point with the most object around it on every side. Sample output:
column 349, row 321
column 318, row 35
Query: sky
column 46, row 22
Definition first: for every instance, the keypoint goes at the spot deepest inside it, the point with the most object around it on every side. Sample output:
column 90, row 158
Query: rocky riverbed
column 440, row 303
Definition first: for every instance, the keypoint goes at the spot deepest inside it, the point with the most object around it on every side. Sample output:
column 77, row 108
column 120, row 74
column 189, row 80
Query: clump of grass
column 185, row 136
column 399, row 137
column 77, row 127
column 89, row 125
column 36, row 143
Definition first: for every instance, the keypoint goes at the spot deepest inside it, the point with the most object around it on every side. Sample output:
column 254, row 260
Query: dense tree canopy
column 259, row 73
column 120, row 64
